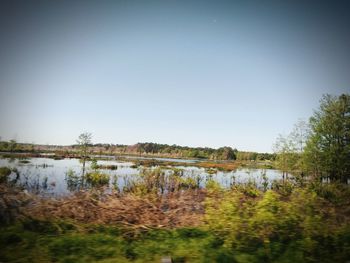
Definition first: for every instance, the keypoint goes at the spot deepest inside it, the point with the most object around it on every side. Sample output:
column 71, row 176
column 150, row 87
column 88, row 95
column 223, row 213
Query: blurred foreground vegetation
column 289, row 223
column 305, row 217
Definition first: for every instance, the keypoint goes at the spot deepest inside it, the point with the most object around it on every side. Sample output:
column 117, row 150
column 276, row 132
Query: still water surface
column 47, row 176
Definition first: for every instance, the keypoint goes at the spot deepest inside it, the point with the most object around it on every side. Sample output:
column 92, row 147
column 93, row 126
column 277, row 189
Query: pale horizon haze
column 191, row 73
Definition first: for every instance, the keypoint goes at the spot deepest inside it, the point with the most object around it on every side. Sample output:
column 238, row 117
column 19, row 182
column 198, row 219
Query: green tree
column 94, row 166
column 225, row 153
column 84, row 141
column 327, row 152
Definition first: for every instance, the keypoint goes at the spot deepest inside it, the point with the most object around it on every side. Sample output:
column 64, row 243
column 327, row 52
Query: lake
column 47, row 176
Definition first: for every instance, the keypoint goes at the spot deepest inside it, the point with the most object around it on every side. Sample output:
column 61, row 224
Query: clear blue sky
column 191, row 73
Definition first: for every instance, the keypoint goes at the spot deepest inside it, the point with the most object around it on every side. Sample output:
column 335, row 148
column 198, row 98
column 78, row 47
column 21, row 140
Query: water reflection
column 62, row 177
column 73, row 180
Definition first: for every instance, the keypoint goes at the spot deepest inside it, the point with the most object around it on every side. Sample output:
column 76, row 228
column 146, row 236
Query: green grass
column 242, row 224
column 50, row 242
column 43, row 241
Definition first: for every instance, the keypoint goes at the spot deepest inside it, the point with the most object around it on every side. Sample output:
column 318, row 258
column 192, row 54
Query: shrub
column 96, row 178
column 94, row 165
column 271, row 225
column 4, row 173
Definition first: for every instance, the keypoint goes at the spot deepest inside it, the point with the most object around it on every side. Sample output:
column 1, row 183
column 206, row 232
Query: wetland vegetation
column 118, row 209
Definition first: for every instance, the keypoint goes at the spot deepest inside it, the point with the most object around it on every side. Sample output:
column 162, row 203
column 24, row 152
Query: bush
column 96, row 178
column 94, row 165
column 268, row 227
column 336, row 193
column 4, row 173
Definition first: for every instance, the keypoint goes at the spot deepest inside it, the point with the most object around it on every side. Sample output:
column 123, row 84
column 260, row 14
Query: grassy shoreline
column 207, row 164
column 289, row 223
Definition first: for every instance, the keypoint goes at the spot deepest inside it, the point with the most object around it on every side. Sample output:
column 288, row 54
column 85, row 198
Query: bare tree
column 84, row 141
column 12, row 145
column 300, row 134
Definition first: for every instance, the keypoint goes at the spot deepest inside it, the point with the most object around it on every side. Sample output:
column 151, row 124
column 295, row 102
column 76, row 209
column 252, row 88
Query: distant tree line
column 255, row 156
column 148, row 148
column 222, row 153
column 14, row 146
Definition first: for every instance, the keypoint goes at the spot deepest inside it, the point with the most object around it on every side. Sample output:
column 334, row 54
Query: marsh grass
column 213, row 165
column 97, row 178
column 287, row 223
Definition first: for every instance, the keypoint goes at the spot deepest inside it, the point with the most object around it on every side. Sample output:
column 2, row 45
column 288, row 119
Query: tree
column 84, row 141
column 327, row 152
column 286, row 154
column 94, row 166
column 225, row 153
column 299, row 135
column 289, row 150
column 12, row 145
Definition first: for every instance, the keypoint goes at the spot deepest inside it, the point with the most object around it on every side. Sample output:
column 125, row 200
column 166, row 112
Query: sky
column 195, row 73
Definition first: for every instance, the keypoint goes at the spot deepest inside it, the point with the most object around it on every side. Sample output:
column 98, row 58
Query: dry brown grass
column 183, row 208
column 226, row 166
column 12, row 200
